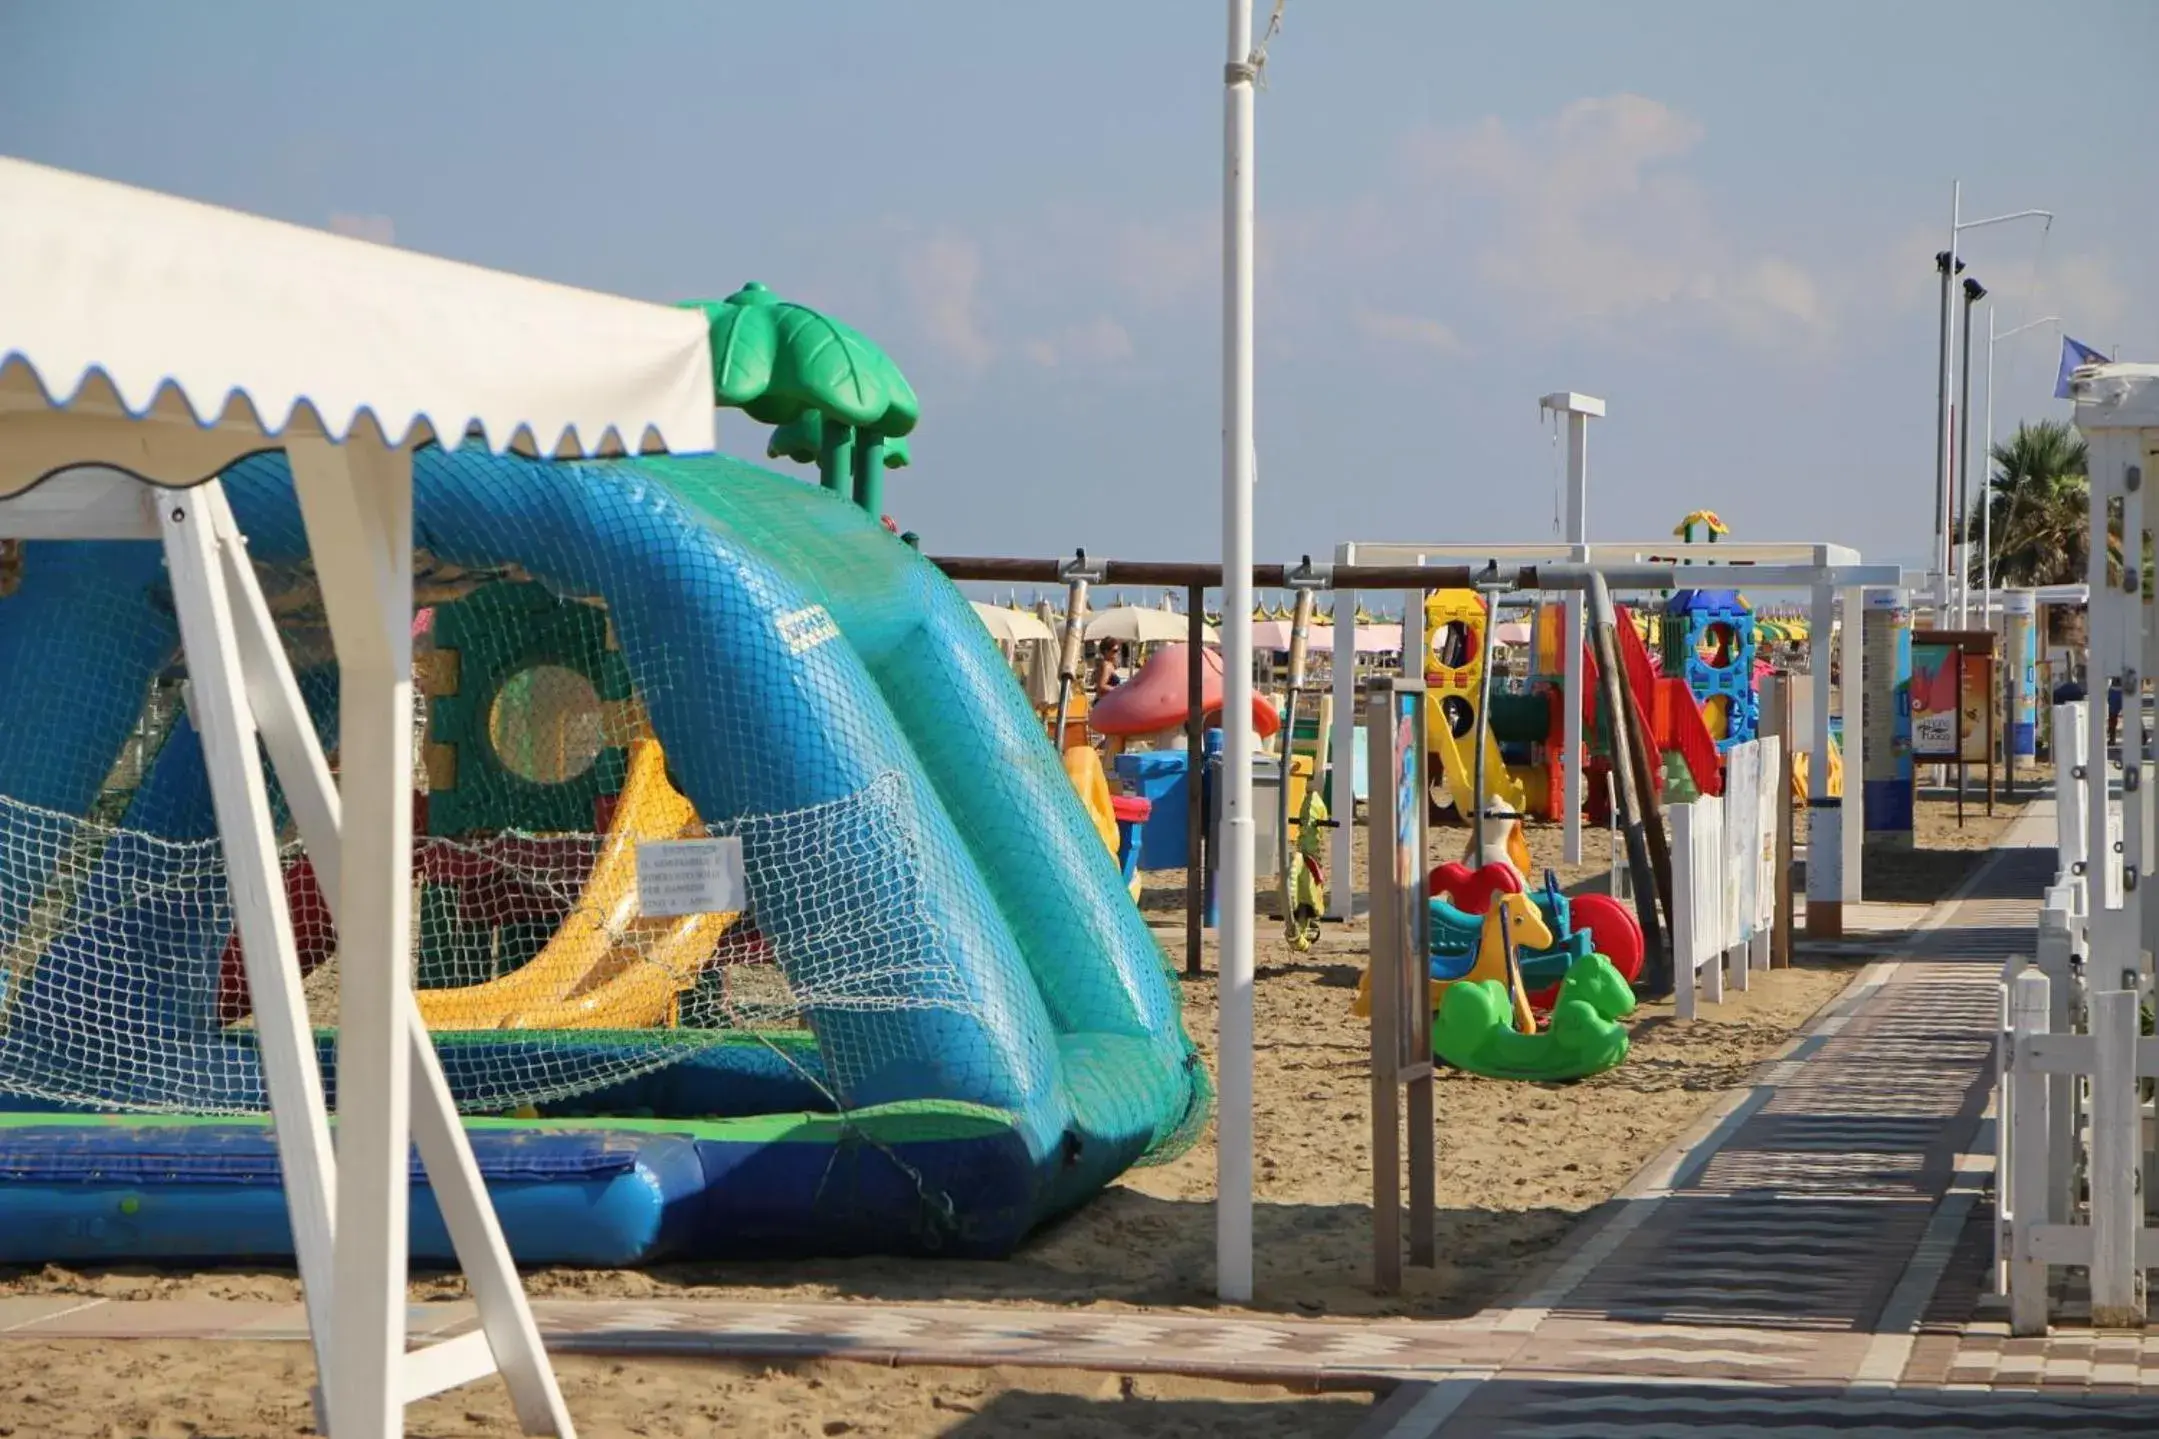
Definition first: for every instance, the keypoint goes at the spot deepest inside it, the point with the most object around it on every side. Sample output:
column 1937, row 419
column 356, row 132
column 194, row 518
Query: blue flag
column 2074, row 353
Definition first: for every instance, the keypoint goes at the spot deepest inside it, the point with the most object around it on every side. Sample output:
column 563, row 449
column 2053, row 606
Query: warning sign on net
column 691, row 876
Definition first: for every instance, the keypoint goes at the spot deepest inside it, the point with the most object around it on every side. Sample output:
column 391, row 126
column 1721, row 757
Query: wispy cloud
column 1590, row 218
column 942, row 278
column 1385, row 327
column 2088, row 294
column 1099, row 341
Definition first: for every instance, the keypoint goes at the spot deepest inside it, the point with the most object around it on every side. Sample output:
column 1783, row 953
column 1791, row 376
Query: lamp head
column 1973, row 291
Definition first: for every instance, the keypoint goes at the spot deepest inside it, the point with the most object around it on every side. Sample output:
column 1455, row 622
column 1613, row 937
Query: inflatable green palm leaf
column 788, row 365
column 802, row 439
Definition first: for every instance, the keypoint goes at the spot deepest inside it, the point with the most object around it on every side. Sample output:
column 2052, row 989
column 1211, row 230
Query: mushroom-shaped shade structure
column 1158, row 697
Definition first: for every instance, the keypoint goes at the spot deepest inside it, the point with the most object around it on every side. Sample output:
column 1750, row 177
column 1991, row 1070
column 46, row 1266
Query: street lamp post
column 1974, row 292
column 1986, row 484
column 1948, row 264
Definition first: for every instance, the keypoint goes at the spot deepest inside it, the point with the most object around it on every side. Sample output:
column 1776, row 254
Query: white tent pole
column 1233, row 1125
column 510, row 1339
column 255, row 878
column 357, row 500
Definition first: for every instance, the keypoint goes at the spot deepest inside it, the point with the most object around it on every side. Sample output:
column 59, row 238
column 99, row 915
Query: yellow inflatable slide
column 607, row 967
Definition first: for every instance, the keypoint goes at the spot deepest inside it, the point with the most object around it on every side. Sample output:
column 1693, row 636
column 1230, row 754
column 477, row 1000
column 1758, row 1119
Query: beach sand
column 1519, row 1165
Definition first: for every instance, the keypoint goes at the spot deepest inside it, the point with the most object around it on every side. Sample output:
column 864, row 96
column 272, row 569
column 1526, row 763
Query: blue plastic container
column 1159, row 776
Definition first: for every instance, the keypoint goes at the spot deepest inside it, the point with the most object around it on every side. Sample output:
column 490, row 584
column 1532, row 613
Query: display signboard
column 1952, row 695
column 1937, row 700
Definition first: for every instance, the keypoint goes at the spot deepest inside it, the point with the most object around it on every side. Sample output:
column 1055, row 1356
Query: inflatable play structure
column 915, row 1012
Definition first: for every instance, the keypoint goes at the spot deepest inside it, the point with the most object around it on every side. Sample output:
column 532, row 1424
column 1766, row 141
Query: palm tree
column 2041, row 502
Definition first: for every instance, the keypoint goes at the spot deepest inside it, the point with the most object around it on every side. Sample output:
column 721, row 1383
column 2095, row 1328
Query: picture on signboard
column 1937, row 695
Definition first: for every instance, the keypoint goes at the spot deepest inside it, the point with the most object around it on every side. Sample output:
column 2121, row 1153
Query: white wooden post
column 2027, row 1179
column 1579, row 410
column 2129, row 663
column 2055, row 961
column 1849, row 695
column 2117, row 1279
column 1684, row 907
column 1772, row 793
column 2072, row 839
column 2111, row 930
column 1712, row 939
column 256, row 881
column 508, row 1339
column 2004, row 1124
column 357, row 502
column 1825, row 884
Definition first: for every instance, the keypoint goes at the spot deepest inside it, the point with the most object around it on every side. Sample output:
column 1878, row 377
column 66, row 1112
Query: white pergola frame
column 1824, row 570
column 146, row 344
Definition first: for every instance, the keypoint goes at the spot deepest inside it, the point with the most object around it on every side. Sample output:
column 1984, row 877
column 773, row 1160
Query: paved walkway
column 1809, row 1261
column 1817, row 1267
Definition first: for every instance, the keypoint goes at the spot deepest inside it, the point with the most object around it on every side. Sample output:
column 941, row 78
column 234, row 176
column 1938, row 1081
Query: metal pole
column 1974, row 292
column 1068, row 659
column 1986, row 503
column 1484, row 727
column 1195, row 811
column 1945, row 261
column 1233, row 1164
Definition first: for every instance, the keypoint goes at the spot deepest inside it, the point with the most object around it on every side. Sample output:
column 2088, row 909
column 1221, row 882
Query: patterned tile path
column 1808, row 1262
column 1306, row 1353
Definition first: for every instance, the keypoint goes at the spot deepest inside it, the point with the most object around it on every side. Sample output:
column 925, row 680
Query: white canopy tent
column 146, row 343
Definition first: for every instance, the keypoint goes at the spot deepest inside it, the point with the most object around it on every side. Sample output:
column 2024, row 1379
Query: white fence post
column 1685, row 905
column 1770, row 795
column 2056, row 960
column 2028, row 1181
column 1712, row 933
column 2004, row 1126
column 2117, row 1209
column 2070, row 833
column 1742, row 803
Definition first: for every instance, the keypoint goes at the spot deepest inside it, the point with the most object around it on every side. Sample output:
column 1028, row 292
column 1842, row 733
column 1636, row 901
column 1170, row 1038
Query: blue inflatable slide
column 1025, row 1046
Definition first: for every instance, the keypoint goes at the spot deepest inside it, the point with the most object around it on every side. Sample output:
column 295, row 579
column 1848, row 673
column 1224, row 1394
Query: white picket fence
column 2074, row 1154
column 1724, row 877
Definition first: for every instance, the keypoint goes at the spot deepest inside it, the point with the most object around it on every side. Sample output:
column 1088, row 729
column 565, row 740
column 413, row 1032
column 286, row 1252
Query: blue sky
column 1719, row 217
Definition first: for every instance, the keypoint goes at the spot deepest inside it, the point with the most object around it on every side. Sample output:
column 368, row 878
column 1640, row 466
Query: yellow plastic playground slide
column 607, row 967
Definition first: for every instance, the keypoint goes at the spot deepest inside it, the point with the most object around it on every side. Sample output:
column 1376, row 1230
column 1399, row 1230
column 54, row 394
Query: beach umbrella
column 1136, row 624
column 1011, row 626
